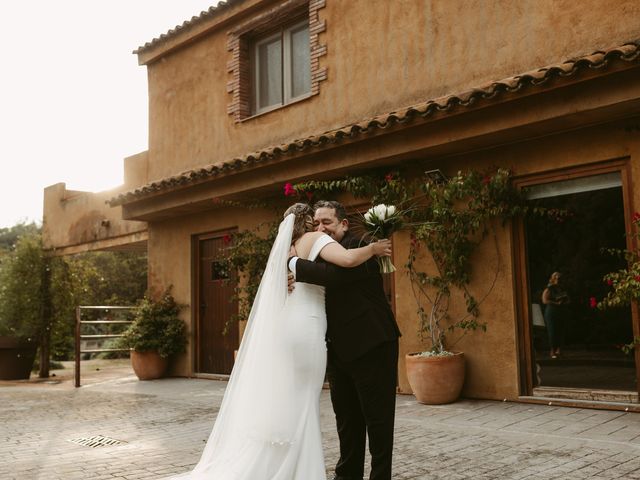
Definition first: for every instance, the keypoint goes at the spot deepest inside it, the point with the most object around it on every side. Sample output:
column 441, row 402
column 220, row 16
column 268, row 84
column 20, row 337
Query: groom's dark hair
column 341, row 213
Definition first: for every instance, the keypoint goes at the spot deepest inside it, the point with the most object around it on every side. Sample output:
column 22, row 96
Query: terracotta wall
column 170, row 258
column 492, row 355
column 76, row 221
column 381, row 55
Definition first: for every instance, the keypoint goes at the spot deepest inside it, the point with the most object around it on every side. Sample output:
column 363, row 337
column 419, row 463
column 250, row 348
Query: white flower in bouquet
column 381, row 221
column 380, row 213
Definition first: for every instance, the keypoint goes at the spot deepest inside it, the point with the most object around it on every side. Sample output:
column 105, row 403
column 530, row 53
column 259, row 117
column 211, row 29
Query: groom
column 362, row 345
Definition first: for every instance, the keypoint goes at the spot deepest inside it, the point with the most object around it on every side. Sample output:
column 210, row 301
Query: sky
column 73, row 99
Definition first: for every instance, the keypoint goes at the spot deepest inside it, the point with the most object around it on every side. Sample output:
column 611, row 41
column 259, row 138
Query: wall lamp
column 436, row 176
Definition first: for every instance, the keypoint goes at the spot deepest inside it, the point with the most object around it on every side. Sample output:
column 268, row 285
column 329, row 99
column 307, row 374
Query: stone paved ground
column 165, row 423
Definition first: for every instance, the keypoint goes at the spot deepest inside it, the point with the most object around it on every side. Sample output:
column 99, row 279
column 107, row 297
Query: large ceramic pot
column 148, row 365
column 16, row 358
column 435, row 380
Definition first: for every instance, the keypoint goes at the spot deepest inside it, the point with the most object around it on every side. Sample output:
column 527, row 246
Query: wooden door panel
column 216, row 289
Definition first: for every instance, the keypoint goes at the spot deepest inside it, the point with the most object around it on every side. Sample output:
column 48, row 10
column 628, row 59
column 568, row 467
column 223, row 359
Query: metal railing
column 107, row 317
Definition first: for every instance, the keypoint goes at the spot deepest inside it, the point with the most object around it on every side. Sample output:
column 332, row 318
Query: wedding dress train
column 268, row 426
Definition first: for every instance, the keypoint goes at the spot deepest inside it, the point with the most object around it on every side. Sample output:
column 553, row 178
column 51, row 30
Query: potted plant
column 23, row 323
column 453, row 218
column 157, row 332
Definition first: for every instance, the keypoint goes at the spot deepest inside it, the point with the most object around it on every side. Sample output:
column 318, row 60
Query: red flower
column 637, row 277
column 289, row 190
column 388, row 177
column 593, row 303
column 226, row 238
column 414, row 240
column 636, row 217
column 609, row 282
column 486, row 179
column 309, row 195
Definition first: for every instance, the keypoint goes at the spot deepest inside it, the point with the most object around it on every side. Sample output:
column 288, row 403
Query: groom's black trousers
column 363, row 394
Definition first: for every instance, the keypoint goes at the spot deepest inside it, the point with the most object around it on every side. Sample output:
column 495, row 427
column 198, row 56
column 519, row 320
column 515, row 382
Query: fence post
column 77, row 356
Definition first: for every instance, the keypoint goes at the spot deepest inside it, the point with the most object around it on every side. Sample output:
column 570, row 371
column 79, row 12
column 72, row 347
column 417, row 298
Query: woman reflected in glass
column 555, row 299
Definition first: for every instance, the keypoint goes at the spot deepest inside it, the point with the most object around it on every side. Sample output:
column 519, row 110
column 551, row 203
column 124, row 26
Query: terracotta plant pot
column 435, row 380
column 148, row 365
column 16, row 358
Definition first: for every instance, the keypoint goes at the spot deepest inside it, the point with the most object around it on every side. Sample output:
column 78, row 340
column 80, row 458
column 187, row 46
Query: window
column 282, row 67
column 276, row 58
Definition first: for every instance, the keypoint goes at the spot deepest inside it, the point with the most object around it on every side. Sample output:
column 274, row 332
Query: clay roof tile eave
column 628, row 52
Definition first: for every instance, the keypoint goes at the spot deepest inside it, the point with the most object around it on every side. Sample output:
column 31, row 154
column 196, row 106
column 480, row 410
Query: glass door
column 573, row 344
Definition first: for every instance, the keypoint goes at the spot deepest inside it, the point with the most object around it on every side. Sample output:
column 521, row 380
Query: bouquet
column 381, row 222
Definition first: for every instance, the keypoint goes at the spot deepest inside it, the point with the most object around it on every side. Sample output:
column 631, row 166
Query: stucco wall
column 76, row 221
column 492, row 356
column 170, row 259
column 381, row 55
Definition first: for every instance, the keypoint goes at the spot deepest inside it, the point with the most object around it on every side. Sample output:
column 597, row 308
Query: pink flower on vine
column 609, row 282
column 414, row 240
column 593, row 303
column 289, row 191
column 309, row 195
column 388, row 177
column 637, row 278
column 226, row 238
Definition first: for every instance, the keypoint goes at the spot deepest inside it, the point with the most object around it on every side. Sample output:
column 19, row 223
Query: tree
column 10, row 235
column 39, row 293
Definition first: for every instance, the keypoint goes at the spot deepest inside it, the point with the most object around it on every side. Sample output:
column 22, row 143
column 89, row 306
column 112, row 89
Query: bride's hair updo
column 303, row 221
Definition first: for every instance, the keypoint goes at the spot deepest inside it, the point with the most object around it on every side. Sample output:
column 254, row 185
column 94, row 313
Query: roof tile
column 601, row 59
column 187, row 24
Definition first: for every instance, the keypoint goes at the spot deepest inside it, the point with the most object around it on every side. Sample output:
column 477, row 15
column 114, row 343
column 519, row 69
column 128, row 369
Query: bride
column 268, row 426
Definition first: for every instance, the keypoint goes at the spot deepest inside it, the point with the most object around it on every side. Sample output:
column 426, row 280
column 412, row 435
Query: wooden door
column 215, row 307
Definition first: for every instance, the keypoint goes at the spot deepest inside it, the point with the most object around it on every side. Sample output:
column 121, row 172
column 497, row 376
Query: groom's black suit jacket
column 359, row 317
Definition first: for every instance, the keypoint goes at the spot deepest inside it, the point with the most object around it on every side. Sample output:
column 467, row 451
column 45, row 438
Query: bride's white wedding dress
column 268, row 426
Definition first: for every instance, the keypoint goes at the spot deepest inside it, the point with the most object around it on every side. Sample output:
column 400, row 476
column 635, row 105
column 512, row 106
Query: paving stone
column 165, row 424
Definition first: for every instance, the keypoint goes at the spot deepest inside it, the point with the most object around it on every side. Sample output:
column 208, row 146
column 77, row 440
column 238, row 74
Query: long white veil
column 254, row 424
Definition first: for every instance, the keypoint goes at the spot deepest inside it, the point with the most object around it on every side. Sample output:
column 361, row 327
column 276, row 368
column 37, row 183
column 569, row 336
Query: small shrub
column 156, row 327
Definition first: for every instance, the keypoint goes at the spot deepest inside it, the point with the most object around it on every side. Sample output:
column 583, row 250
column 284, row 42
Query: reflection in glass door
column 574, row 344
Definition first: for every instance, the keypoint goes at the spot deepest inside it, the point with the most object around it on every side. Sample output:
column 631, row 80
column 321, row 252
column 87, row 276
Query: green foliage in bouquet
column 156, row 327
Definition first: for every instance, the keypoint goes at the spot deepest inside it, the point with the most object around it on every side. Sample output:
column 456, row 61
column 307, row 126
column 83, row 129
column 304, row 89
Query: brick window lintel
column 238, row 42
